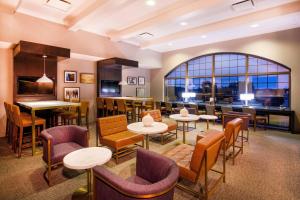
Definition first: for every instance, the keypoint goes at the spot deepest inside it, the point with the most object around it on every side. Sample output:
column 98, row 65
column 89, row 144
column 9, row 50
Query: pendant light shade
column 44, row 78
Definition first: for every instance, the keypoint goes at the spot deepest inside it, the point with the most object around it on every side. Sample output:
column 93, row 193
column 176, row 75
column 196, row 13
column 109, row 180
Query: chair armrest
column 199, row 137
column 118, row 185
column 47, row 140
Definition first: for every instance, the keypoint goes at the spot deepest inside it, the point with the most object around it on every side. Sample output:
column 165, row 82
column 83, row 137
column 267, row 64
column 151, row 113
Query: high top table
column 184, row 120
column 46, row 105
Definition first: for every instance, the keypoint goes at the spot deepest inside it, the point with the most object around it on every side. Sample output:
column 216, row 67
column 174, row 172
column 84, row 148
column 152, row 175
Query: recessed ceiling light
column 150, row 2
column 170, row 43
column 183, row 23
column 203, row 36
column 254, row 25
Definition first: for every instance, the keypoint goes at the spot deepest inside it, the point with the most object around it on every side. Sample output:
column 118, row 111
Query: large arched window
column 224, row 76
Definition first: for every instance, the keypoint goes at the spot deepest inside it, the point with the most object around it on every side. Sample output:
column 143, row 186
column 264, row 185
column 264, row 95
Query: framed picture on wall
column 141, row 80
column 88, row 78
column 70, row 77
column 71, row 93
column 131, row 80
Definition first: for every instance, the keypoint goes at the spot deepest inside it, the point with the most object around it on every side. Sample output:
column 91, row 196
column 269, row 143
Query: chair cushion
column 121, row 139
column 138, row 180
column 62, row 149
column 172, row 125
column 182, row 155
column 27, row 121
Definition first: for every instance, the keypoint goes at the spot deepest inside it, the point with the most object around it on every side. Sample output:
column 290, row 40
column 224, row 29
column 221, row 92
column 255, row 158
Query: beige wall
column 16, row 27
column 130, row 90
column 6, row 82
column 87, row 91
column 283, row 47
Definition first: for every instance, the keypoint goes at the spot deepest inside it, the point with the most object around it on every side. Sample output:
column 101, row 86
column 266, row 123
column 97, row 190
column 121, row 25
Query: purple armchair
column 59, row 141
column 156, row 177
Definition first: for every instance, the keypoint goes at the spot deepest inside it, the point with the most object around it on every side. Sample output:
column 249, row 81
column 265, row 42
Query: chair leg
column 117, row 156
column 161, row 139
column 20, row 142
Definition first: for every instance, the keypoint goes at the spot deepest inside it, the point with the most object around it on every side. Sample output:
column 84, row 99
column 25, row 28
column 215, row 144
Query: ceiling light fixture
column 254, row 25
column 183, row 23
column 203, row 36
column 150, row 2
column 44, row 78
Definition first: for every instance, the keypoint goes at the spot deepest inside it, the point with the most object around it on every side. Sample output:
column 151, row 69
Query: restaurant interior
column 149, row 99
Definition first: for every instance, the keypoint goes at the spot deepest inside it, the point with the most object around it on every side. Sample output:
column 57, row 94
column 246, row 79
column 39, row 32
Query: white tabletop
column 188, row 118
column 47, row 104
column 208, row 117
column 139, row 128
column 87, row 158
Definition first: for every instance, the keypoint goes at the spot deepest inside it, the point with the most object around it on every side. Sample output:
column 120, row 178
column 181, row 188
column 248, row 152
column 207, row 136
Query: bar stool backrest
column 180, row 105
column 210, row 109
column 226, row 109
column 84, row 107
column 157, row 105
column 7, row 107
column 16, row 114
column 109, row 104
column 169, row 106
column 250, row 111
column 194, row 106
column 100, row 103
column 121, row 104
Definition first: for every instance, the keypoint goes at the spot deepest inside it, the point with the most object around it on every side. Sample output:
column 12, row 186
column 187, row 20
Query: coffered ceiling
column 164, row 25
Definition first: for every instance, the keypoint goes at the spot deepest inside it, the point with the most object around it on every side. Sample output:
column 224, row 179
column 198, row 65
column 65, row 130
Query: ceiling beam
column 228, row 23
column 73, row 21
column 179, row 8
column 9, row 7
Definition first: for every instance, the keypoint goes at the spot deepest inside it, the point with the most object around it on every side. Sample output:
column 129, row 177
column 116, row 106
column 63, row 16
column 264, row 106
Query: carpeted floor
column 268, row 169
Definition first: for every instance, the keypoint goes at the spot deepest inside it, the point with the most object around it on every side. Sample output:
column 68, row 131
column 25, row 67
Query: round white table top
column 208, row 117
column 87, row 158
column 188, row 118
column 139, row 128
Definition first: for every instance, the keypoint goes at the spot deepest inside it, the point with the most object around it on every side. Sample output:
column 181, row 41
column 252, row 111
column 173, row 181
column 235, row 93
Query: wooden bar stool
column 124, row 109
column 110, row 106
column 101, row 107
column 20, row 123
column 72, row 115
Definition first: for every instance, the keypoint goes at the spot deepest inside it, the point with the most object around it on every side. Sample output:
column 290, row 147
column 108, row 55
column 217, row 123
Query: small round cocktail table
column 139, row 128
column 86, row 158
column 207, row 118
column 184, row 120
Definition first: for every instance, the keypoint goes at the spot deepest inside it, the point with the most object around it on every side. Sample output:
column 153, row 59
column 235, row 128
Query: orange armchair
column 195, row 162
column 114, row 134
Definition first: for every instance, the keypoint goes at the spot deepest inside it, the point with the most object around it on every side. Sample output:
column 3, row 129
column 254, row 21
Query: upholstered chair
column 58, row 142
column 232, row 132
column 195, row 162
column 156, row 177
column 20, row 122
column 230, row 115
column 256, row 118
column 114, row 134
column 172, row 125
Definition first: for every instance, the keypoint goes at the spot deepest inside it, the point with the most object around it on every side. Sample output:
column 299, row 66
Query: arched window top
column 227, row 64
column 224, row 76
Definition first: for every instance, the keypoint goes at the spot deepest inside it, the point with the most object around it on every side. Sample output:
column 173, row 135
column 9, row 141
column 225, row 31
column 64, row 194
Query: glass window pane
column 252, row 69
column 283, row 78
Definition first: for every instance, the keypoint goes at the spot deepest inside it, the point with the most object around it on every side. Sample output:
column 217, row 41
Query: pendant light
column 44, row 78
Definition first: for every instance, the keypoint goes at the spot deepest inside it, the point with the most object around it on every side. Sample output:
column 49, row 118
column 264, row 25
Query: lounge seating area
column 149, row 99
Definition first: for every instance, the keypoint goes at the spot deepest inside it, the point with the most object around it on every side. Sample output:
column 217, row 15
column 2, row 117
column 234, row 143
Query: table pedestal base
column 85, row 191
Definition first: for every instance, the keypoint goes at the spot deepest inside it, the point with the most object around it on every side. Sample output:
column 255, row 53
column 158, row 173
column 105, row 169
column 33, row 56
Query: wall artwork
column 70, row 77
column 71, row 93
column 141, row 80
column 88, row 78
column 131, row 80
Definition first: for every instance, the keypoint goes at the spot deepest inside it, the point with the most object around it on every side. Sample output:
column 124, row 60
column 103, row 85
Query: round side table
column 184, row 120
column 139, row 128
column 207, row 118
column 86, row 158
